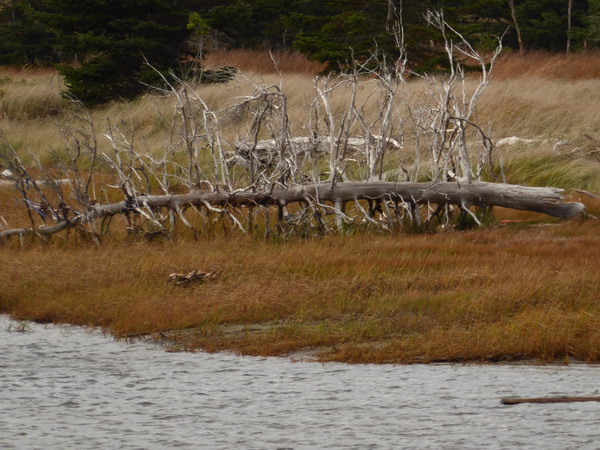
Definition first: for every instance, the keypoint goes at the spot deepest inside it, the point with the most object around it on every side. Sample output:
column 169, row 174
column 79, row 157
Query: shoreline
column 169, row 343
column 516, row 292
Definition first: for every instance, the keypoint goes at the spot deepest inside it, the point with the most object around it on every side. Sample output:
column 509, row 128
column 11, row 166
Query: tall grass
column 514, row 292
column 583, row 65
column 525, row 99
column 29, row 94
column 518, row 291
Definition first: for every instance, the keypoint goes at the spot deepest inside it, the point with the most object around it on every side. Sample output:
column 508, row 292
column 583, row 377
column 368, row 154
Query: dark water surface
column 66, row 387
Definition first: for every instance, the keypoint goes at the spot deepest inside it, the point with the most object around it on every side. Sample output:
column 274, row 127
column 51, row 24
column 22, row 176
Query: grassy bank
column 513, row 292
column 520, row 290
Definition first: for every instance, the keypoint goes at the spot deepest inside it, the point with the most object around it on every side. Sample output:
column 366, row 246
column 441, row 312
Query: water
column 65, row 387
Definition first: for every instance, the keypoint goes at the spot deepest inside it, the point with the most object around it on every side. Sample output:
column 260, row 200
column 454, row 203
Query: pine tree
column 23, row 39
column 544, row 23
column 111, row 41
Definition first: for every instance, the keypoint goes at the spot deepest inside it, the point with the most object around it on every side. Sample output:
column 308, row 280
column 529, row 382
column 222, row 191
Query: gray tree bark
column 544, row 200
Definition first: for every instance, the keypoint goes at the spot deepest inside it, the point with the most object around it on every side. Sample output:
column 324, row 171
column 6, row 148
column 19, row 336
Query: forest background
column 101, row 47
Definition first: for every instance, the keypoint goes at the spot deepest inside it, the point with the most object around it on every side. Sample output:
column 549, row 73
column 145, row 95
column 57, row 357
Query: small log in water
column 516, row 401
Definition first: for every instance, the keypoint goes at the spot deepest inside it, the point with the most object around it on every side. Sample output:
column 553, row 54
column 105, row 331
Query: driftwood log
column 516, row 401
column 265, row 151
column 482, row 194
column 193, row 277
column 347, row 144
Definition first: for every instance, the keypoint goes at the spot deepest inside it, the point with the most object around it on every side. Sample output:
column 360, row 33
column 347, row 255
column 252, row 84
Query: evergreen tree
column 594, row 23
column 112, row 40
column 544, row 23
column 108, row 41
column 23, row 39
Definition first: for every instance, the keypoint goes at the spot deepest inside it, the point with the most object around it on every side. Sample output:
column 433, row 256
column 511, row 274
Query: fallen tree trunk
column 544, row 200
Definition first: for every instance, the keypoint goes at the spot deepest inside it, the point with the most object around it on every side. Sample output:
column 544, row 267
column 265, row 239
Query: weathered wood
column 539, row 199
column 543, row 200
column 9, row 183
column 194, row 277
column 264, row 151
column 516, row 401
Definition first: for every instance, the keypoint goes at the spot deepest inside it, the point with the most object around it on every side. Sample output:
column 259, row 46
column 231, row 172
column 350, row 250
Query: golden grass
column 541, row 108
column 29, row 93
column 539, row 64
column 525, row 101
column 519, row 291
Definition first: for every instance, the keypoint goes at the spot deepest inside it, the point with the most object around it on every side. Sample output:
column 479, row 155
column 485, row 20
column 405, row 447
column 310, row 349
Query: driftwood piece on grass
column 300, row 146
column 8, row 183
column 194, row 277
column 544, row 200
column 516, row 401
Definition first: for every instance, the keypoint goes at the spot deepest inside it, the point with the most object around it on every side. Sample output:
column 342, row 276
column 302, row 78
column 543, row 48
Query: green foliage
column 251, row 24
column 104, row 44
column 594, row 22
column 23, row 39
column 197, row 24
column 349, row 31
column 336, row 31
column 544, row 23
column 121, row 44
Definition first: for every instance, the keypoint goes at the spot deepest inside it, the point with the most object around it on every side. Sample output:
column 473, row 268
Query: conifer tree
column 110, row 42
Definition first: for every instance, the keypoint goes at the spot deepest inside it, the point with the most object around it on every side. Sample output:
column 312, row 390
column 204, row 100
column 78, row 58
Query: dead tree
column 337, row 177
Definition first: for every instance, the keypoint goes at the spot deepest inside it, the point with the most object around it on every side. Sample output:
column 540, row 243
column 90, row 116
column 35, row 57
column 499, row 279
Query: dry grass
column 533, row 64
column 542, row 65
column 519, row 291
column 523, row 100
column 29, row 93
column 541, row 108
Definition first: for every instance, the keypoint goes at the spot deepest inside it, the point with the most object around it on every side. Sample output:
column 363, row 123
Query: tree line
column 110, row 49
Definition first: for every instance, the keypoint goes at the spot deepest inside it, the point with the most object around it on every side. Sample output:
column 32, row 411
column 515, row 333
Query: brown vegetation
column 558, row 66
column 524, row 290
column 518, row 291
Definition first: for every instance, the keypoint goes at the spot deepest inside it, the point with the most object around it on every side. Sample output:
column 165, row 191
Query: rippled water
column 65, row 387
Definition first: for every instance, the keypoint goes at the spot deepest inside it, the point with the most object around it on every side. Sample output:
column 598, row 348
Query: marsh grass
column 524, row 290
column 525, row 99
column 520, row 291
column 539, row 64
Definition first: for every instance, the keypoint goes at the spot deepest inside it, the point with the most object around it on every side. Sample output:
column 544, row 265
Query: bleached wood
column 544, row 200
